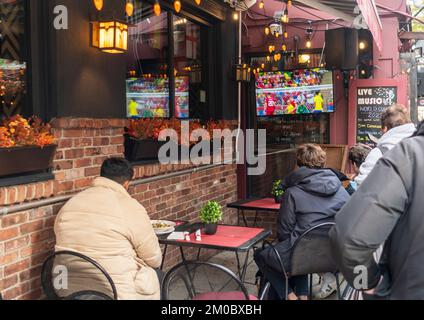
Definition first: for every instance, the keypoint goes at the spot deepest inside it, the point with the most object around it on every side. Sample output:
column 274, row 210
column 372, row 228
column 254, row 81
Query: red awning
column 370, row 14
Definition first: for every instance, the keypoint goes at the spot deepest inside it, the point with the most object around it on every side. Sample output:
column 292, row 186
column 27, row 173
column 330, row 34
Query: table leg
column 256, row 218
column 244, row 218
column 163, row 257
column 198, row 254
column 182, row 254
column 244, row 271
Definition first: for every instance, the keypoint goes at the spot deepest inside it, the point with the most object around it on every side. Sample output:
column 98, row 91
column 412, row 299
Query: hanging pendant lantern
column 129, row 8
column 157, row 9
column 98, row 4
column 177, row 6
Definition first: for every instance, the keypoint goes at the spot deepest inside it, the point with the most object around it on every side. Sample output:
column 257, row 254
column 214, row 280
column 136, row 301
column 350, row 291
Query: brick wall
column 27, row 238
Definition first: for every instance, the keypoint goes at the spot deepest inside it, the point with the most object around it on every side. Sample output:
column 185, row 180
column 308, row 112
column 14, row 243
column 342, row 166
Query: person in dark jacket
column 387, row 208
column 312, row 196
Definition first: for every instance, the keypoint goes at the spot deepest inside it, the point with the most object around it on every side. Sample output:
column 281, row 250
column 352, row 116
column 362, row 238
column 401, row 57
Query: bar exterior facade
column 90, row 97
column 83, row 91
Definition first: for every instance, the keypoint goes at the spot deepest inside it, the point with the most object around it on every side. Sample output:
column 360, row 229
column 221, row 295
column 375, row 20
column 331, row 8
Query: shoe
column 328, row 286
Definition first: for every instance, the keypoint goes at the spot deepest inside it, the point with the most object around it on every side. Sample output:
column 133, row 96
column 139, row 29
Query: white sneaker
column 328, row 286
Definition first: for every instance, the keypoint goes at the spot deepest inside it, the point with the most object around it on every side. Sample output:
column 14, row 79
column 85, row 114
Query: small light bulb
column 261, row 5
column 284, row 47
column 157, row 9
column 309, row 44
column 286, row 34
column 263, row 65
column 235, row 16
column 362, row 45
column 268, row 58
column 267, row 31
column 177, row 6
column 277, row 34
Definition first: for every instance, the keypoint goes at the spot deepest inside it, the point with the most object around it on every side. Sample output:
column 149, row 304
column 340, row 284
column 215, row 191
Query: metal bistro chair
column 195, row 280
column 310, row 254
column 68, row 275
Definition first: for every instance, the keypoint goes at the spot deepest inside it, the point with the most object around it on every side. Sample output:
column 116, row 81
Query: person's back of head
column 119, row 170
column 395, row 116
column 358, row 154
column 311, row 156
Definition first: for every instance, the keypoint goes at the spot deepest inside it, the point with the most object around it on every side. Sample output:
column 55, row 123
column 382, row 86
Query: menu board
column 371, row 103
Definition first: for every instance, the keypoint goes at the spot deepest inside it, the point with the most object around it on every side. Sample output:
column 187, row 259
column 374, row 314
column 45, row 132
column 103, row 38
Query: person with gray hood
column 387, row 208
column 312, row 195
column 396, row 126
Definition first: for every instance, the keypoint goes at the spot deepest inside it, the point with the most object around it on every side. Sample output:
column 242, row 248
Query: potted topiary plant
column 210, row 215
column 277, row 191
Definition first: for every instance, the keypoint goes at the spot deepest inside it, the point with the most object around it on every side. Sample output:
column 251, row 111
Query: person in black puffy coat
column 387, row 208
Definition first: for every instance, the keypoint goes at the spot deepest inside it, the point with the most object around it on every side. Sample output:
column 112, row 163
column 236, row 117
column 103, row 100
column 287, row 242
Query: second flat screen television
column 294, row 92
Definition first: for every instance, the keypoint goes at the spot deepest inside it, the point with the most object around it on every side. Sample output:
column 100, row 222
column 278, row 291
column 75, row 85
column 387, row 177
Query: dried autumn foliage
column 18, row 131
column 150, row 128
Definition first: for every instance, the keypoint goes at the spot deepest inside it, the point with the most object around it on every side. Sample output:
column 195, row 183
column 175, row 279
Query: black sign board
column 371, row 103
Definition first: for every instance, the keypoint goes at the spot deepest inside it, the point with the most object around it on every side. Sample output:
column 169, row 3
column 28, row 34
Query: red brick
column 39, row 191
column 21, row 194
column 48, row 189
column 9, row 258
column 39, row 236
column 16, row 267
column 49, row 222
column 63, row 165
column 11, row 195
column 117, row 140
column 31, row 226
column 83, row 183
column 89, row 152
column 16, row 244
column 101, row 141
column 60, row 155
column 65, row 143
column 83, row 142
column 9, row 282
column 3, row 196
column 37, row 248
column 94, row 171
column 32, row 295
column 66, row 186
column 73, row 133
column 6, row 234
column 13, row 219
column 81, row 163
column 40, row 258
column 74, row 154
column 12, row 293
column 40, row 213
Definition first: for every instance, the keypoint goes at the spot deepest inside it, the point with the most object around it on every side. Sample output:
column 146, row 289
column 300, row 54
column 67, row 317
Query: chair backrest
column 195, row 280
column 337, row 156
column 311, row 253
column 67, row 273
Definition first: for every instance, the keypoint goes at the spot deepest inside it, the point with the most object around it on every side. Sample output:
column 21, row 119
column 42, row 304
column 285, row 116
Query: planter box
column 24, row 160
column 143, row 150
column 139, row 150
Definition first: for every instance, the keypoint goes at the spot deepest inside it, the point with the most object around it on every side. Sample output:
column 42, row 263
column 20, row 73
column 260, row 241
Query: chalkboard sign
column 371, row 103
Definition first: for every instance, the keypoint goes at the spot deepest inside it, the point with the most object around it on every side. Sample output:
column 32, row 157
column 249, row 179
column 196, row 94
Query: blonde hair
column 311, row 156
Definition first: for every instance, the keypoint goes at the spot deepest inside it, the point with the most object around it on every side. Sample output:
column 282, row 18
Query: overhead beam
column 328, row 9
column 412, row 36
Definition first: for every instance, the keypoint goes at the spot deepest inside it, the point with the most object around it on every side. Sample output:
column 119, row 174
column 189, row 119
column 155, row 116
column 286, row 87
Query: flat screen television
column 303, row 91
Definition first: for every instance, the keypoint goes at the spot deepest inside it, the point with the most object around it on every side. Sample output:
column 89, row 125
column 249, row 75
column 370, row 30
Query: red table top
column 227, row 236
column 265, row 203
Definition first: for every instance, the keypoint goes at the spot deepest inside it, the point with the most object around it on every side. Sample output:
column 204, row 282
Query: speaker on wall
column 341, row 49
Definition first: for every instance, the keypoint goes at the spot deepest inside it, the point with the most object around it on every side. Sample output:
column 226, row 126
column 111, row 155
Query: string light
column 98, row 4
column 198, row 2
column 285, row 16
column 129, row 8
column 286, row 34
column 267, row 30
column 177, row 6
column 235, row 16
column 268, row 58
column 261, row 5
column 309, row 44
column 277, row 34
column 284, row 47
column 362, row 45
column 157, row 9
column 289, row 3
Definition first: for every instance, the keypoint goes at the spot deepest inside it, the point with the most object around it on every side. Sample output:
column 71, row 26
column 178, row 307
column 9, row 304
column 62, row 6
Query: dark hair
column 311, row 156
column 118, row 170
column 395, row 116
column 358, row 153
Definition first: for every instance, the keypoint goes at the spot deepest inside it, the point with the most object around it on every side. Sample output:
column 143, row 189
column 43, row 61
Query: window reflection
column 13, row 65
column 147, row 73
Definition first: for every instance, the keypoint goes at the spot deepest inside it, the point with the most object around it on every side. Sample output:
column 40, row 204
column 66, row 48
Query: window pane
column 190, row 95
column 147, row 68
column 13, row 58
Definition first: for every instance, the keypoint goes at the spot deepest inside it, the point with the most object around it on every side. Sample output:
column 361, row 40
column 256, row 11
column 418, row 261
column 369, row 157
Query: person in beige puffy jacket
column 106, row 224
